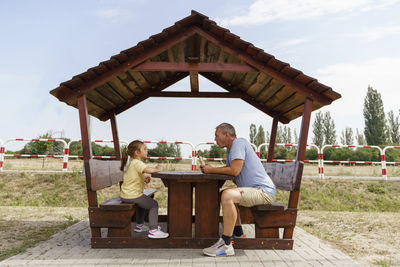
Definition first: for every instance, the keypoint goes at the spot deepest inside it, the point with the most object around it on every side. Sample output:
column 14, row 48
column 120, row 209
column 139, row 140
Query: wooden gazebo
column 193, row 46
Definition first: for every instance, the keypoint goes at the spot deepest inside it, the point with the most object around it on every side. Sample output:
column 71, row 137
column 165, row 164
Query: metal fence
column 194, row 149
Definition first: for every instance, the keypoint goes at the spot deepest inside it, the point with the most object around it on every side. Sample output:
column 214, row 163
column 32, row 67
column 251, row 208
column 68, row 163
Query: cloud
column 114, row 15
column 351, row 80
column 263, row 11
column 376, row 33
column 256, row 117
column 293, row 42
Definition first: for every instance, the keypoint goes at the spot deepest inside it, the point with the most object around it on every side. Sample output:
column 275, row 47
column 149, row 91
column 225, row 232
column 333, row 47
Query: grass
column 184, row 165
column 68, row 190
column 350, row 195
column 330, row 203
column 33, row 235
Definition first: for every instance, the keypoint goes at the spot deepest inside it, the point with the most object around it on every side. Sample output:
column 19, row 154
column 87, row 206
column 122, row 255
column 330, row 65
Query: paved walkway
column 71, row 247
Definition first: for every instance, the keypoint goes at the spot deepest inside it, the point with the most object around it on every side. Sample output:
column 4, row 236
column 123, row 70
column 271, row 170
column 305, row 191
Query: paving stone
column 71, row 247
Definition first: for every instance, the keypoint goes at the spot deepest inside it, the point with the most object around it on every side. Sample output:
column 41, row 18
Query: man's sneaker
column 141, row 228
column 157, row 233
column 219, row 249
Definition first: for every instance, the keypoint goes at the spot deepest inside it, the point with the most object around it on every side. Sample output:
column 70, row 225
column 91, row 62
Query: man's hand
column 234, row 169
column 206, row 168
column 147, row 179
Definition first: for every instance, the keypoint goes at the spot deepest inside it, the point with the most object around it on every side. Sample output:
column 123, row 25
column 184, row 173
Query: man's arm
column 234, row 169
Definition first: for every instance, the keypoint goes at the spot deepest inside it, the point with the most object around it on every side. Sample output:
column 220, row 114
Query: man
column 255, row 187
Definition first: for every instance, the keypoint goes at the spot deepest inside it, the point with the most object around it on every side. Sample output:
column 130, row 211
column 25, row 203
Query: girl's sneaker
column 157, row 233
column 141, row 228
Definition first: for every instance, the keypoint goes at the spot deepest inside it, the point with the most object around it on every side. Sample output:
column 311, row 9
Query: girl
column 132, row 188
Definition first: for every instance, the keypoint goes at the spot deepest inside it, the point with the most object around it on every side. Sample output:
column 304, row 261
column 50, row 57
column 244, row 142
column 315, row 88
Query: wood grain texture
column 207, row 209
column 284, row 176
column 179, row 209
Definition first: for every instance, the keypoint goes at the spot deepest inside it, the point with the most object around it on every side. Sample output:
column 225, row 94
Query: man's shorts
column 254, row 196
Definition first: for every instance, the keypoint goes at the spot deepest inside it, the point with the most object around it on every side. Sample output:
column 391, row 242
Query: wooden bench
column 112, row 214
column 268, row 219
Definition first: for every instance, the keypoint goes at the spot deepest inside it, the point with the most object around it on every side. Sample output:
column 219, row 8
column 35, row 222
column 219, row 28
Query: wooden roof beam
column 266, row 69
column 246, row 98
column 129, row 64
column 196, row 94
column 139, row 98
column 199, row 67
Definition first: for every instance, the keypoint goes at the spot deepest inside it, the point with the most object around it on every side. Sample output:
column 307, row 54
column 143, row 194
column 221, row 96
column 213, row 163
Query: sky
column 345, row 44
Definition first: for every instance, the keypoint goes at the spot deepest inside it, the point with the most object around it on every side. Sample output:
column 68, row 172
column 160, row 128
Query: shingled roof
column 195, row 46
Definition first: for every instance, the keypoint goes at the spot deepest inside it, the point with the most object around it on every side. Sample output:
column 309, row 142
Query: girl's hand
column 158, row 167
column 147, row 179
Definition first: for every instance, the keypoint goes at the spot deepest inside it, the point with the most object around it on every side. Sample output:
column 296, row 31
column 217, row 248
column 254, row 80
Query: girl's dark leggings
column 145, row 203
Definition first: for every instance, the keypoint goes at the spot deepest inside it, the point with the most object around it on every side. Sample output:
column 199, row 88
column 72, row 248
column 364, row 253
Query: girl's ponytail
column 130, row 151
column 124, row 158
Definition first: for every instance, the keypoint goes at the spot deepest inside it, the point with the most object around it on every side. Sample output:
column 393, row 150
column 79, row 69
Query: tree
column 347, row 136
column 286, row 135
column 165, row 150
column 267, row 137
column 360, row 138
column 260, row 139
column 214, row 152
column 279, row 135
column 253, row 133
column 394, row 128
column 374, row 118
column 318, row 138
column 329, row 129
column 39, row 147
column 296, row 138
column 217, row 152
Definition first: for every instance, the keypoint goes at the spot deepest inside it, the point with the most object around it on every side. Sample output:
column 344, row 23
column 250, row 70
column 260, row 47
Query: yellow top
column 133, row 184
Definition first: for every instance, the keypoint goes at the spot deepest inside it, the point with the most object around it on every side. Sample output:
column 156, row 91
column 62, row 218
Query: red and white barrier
column 194, row 149
column 96, row 141
column 193, row 157
column 290, row 160
column 384, row 158
column 194, row 153
column 65, row 156
column 382, row 155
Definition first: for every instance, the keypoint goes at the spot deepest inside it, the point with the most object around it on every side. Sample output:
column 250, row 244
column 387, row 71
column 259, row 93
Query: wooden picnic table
column 180, row 203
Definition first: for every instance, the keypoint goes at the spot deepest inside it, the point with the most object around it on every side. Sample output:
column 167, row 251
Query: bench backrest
column 105, row 173
column 285, row 176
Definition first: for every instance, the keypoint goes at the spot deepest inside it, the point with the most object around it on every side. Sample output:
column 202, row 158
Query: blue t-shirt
column 253, row 173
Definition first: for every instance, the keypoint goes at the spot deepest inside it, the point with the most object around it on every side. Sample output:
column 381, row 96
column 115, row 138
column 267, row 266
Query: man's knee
column 229, row 196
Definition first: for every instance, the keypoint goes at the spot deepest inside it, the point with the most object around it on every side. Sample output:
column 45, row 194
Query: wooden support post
column 301, row 152
column 194, row 81
column 180, row 209
column 87, row 155
column 207, row 210
column 305, row 124
column 114, row 130
column 272, row 140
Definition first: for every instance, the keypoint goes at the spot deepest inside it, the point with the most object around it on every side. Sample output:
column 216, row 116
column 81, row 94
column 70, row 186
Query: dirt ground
column 372, row 239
